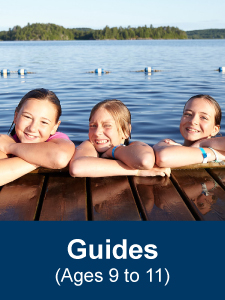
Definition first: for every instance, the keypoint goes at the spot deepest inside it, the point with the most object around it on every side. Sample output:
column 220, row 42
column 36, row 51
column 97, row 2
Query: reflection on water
column 156, row 101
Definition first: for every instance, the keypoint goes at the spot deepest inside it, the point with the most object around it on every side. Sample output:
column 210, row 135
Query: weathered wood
column 65, row 199
column 161, row 200
column 203, row 192
column 112, row 200
column 19, row 199
column 218, row 175
column 202, row 166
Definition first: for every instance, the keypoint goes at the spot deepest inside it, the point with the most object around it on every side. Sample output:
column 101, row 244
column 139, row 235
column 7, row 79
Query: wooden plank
column 203, row 192
column 161, row 200
column 202, row 166
column 19, row 199
column 218, row 175
column 65, row 199
column 112, row 200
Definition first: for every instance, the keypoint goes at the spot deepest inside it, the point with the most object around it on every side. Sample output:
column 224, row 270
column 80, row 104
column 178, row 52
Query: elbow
column 162, row 159
column 147, row 161
column 61, row 160
column 76, row 169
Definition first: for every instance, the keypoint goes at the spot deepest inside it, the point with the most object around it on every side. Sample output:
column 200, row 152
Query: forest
column 206, row 34
column 44, row 32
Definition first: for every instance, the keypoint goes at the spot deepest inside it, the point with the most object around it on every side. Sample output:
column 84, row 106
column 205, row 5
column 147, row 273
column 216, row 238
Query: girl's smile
column 103, row 131
column 198, row 121
column 35, row 121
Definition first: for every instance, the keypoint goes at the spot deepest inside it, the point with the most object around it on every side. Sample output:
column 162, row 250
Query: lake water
column 156, row 101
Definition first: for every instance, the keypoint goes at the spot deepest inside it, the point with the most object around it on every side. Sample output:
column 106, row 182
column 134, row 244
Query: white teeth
column 30, row 136
column 192, row 130
column 101, row 142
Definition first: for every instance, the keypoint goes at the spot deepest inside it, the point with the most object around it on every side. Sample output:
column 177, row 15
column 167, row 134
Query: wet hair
column 38, row 94
column 218, row 114
column 120, row 114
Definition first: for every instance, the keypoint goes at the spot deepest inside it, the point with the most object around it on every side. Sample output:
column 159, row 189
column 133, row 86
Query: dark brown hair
column 218, row 114
column 39, row 94
column 120, row 114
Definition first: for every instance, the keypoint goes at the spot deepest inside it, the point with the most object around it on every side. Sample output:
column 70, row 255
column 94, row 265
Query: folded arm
column 87, row 163
column 54, row 154
column 217, row 143
column 174, row 155
column 13, row 168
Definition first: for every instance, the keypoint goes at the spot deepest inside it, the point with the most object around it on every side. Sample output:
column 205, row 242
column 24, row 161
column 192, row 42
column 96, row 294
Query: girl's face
column 36, row 121
column 103, row 131
column 198, row 121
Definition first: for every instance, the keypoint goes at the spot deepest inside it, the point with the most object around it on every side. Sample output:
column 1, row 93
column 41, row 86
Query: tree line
column 206, row 34
column 38, row 31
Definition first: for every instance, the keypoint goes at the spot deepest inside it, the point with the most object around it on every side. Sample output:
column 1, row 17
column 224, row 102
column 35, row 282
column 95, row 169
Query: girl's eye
column 92, row 125
column 108, row 125
column 187, row 114
column 204, row 118
column 27, row 117
column 45, row 123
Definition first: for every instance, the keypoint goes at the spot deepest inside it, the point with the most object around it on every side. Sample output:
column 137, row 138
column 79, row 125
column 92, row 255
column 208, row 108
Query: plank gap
column 41, row 199
column 90, row 212
column 185, row 198
column 137, row 199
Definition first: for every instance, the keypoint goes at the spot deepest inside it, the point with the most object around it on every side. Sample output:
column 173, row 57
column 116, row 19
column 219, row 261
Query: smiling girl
column 200, row 121
column 34, row 140
column 108, row 152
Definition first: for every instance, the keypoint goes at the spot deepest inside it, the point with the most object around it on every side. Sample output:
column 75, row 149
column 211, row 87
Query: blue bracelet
column 204, row 154
column 114, row 148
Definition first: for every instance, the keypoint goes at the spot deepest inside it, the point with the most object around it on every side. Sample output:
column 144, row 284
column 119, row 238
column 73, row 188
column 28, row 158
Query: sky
column 96, row 14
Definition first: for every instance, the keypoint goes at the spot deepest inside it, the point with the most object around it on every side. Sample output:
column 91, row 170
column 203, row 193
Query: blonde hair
column 120, row 114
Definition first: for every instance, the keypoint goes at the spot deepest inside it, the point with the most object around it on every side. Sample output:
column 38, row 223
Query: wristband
column 113, row 150
column 216, row 156
column 205, row 157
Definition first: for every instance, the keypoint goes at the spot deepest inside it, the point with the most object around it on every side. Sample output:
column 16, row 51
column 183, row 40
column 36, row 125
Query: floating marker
column 148, row 70
column 22, row 71
column 222, row 69
column 5, row 72
column 99, row 71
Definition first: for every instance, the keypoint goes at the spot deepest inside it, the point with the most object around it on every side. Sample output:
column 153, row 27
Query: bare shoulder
column 86, row 148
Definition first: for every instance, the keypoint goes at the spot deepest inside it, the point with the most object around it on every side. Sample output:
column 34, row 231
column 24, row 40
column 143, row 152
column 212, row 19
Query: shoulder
column 58, row 135
column 86, row 149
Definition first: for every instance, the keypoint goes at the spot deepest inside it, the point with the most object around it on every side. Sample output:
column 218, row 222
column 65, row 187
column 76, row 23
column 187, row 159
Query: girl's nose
column 98, row 130
column 33, row 126
column 194, row 119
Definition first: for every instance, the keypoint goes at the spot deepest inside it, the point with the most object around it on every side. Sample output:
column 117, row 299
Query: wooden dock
column 192, row 193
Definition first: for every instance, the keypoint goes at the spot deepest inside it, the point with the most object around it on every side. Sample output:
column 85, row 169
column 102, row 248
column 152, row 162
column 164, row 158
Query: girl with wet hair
column 199, row 124
column 108, row 151
column 33, row 140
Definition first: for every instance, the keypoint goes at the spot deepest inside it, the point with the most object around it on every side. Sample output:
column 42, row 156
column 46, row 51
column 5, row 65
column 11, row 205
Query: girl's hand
column 171, row 142
column 107, row 153
column 5, row 142
column 155, row 171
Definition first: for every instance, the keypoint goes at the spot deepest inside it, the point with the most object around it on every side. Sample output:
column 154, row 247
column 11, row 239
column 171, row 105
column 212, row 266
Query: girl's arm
column 174, row 155
column 54, row 154
column 136, row 155
column 87, row 163
column 217, row 143
column 13, row 168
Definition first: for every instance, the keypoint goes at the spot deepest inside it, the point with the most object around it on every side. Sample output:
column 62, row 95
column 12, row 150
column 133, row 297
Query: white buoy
column 221, row 69
column 148, row 70
column 22, row 71
column 99, row 71
column 5, row 72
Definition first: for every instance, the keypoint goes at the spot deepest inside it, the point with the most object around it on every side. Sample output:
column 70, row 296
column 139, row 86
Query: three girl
column 34, row 140
column 199, row 123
